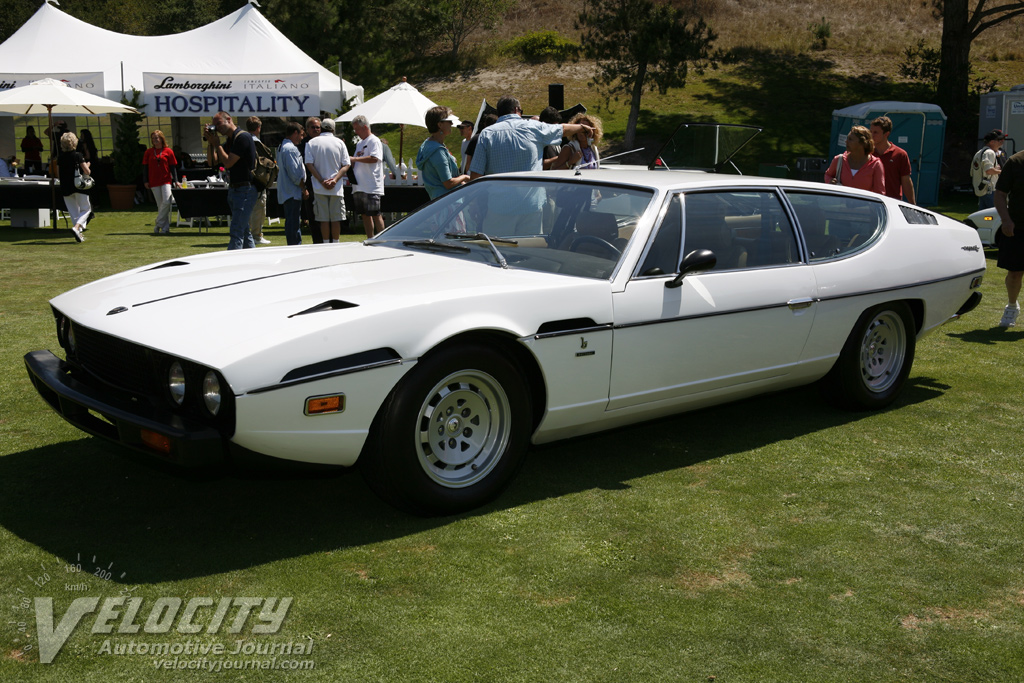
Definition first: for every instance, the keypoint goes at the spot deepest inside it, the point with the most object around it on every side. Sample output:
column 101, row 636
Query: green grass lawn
column 776, row 539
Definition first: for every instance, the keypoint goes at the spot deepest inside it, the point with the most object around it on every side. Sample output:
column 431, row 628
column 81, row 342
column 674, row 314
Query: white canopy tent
column 57, row 45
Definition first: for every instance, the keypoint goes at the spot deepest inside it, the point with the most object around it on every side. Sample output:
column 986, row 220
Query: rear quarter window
column 835, row 226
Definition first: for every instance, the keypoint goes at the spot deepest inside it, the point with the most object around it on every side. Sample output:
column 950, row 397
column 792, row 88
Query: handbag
column 839, row 171
column 83, row 182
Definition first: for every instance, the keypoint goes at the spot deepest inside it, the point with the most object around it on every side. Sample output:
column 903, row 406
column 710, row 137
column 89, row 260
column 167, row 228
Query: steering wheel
column 603, row 244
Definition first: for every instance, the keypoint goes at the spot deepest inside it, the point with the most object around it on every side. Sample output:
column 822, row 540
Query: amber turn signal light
column 158, row 442
column 322, row 405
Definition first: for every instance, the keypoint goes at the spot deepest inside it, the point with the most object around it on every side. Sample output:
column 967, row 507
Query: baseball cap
column 327, row 124
column 995, row 134
column 464, row 124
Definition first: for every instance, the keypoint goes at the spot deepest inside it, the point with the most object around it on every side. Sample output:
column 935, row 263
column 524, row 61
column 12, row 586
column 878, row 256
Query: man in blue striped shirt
column 516, row 144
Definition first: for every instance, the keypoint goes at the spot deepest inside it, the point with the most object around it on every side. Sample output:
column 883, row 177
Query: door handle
column 796, row 304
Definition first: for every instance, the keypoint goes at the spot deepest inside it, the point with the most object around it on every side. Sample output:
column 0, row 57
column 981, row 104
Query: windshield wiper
column 438, row 246
column 484, row 236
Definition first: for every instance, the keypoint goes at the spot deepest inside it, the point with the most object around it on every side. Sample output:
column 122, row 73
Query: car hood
column 219, row 309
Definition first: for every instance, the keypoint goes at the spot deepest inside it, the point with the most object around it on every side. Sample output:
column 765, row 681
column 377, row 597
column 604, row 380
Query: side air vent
column 918, row 217
column 332, row 305
column 568, row 325
column 344, row 364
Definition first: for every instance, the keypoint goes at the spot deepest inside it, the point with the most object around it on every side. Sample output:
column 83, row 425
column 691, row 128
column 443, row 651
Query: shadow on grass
column 990, row 336
column 36, row 236
column 80, row 497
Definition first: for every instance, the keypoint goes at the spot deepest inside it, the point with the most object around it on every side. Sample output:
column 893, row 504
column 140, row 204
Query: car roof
column 681, row 180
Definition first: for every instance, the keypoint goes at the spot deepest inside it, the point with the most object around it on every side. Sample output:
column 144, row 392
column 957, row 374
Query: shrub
column 821, row 33
column 921, row 63
column 541, row 46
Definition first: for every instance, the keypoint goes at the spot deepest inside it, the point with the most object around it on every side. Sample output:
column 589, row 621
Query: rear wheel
column 452, row 434
column 876, row 359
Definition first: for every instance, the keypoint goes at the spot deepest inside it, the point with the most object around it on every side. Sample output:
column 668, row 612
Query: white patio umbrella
column 402, row 104
column 51, row 97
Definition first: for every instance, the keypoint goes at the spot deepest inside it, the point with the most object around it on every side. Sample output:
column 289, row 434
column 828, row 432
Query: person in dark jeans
column 291, row 181
column 238, row 156
column 313, row 225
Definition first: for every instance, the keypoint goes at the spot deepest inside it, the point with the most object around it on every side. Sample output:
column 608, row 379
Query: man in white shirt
column 368, row 166
column 327, row 161
column 985, row 169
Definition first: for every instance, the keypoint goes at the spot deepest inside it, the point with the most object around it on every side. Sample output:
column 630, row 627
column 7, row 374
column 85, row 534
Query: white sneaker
column 1010, row 314
column 79, row 237
column 263, row 240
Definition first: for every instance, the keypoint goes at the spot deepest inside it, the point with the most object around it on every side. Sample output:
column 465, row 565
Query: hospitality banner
column 89, row 82
column 206, row 94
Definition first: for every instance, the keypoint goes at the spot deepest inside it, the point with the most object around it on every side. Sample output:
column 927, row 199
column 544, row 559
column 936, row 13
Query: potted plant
column 127, row 156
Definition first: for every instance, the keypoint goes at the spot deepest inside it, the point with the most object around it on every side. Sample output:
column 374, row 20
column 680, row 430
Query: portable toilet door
column 918, row 128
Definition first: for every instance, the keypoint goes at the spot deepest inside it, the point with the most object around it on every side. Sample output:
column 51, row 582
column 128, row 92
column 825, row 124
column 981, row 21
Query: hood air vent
column 332, row 305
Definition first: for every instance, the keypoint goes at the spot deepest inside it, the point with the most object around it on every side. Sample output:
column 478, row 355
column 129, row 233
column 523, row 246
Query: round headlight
column 176, row 382
column 72, row 346
column 211, row 392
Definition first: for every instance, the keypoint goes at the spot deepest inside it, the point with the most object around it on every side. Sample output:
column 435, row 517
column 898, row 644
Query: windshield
column 704, row 146
column 569, row 227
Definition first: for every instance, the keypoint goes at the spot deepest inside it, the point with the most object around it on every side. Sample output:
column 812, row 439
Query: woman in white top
column 586, row 146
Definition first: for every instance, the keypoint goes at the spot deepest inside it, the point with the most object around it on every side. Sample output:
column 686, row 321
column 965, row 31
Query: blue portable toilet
column 918, row 128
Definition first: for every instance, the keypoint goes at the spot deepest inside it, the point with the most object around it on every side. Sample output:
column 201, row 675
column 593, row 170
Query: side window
column 745, row 229
column 663, row 256
column 833, row 225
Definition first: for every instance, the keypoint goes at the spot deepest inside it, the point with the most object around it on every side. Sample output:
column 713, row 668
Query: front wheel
column 876, row 359
column 452, row 434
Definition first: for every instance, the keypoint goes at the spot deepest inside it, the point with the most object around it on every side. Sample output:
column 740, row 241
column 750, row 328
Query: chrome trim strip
column 578, row 330
column 900, row 287
column 788, row 304
column 713, row 314
column 325, row 375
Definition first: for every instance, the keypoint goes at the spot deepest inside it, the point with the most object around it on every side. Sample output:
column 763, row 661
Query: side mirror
column 694, row 262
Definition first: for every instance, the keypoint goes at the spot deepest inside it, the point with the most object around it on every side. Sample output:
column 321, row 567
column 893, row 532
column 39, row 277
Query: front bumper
column 104, row 413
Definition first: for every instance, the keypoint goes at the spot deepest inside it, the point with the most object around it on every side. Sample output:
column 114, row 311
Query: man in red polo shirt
column 895, row 162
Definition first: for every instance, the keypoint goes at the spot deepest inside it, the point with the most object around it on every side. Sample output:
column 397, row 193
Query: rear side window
column 835, row 226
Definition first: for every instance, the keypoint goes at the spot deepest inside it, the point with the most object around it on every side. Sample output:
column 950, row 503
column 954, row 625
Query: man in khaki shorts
column 327, row 161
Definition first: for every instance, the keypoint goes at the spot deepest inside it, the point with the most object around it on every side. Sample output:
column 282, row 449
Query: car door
column 738, row 327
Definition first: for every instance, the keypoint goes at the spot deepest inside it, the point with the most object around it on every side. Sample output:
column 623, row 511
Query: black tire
column 876, row 359
column 453, row 433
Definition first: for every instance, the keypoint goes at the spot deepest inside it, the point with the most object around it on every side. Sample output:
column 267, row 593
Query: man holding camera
column 238, row 156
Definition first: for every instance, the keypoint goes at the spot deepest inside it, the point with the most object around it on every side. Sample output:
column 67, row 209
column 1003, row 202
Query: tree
column 375, row 40
column 961, row 24
column 643, row 44
column 14, row 13
column 456, row 19
column 128, row 154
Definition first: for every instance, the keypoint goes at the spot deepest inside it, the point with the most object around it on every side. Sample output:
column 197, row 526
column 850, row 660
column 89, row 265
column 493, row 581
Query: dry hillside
column 867, row 36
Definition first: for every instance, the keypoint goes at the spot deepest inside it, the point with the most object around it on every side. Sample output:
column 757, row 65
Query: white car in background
column 987, row 222
column 516, row 310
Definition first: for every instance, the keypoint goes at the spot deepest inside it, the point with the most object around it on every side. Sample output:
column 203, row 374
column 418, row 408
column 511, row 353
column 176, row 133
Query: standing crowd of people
column 311, row 162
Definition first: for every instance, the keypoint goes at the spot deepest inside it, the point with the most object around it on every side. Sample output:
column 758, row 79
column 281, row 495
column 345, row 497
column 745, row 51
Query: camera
column 210, row 128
